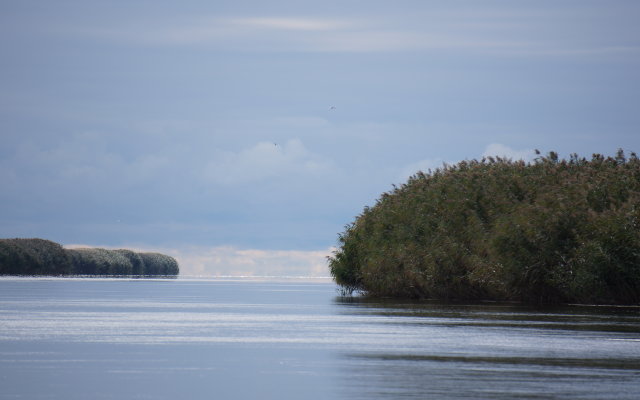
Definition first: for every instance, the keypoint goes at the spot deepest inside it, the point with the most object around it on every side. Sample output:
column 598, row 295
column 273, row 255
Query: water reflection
column 590, row 318
column 492, row 351
column 200, row 339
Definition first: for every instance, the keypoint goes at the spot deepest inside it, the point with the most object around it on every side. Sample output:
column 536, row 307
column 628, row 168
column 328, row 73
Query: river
column 77, row 338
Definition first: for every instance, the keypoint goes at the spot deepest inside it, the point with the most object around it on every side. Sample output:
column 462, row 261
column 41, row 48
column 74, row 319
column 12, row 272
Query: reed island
column 44, row 257
column 548, row 231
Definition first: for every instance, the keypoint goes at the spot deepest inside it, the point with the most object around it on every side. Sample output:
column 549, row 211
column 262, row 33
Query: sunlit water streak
column 290, row 338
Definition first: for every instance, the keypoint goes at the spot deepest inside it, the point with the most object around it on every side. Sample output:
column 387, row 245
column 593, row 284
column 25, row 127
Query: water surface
column 76, row 338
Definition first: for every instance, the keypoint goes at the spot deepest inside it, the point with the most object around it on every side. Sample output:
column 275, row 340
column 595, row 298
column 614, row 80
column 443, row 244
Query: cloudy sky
column 206, row 129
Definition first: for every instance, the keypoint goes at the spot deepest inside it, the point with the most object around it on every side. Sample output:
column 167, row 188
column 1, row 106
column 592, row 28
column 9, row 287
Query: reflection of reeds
column 44, row 257
column 600, row 363
column 548, row 231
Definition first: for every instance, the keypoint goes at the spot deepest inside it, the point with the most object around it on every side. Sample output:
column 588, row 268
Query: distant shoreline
column 40, row 257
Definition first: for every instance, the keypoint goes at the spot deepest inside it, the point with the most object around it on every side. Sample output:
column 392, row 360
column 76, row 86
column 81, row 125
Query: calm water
column 224, row 339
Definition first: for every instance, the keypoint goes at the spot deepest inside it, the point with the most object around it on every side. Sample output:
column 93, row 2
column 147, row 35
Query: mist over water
column 74, row 338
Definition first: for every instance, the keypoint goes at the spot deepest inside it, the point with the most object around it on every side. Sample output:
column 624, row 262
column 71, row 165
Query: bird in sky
column 332, row 108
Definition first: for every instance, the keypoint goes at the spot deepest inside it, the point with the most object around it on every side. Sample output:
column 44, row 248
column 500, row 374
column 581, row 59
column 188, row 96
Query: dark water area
column 75, row 338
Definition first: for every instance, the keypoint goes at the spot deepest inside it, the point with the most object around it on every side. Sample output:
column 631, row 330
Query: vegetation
column 44, row 257
column 33, row 257
column 549, row 231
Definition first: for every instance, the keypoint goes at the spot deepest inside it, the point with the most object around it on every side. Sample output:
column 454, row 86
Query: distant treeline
column 44, row 257
column 549, row 231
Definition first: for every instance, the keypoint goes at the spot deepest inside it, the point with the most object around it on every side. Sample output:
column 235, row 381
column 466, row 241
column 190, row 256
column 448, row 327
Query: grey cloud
column 266, row 160
column 489, row 30
column 500, row 150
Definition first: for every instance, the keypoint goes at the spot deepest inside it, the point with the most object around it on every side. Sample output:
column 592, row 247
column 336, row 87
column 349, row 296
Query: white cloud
column 295, row 24
column 85, row 158
column 478, row 29
column 492, row 150
column 208, row 30
column 266, row 160
column 273, row 33
column 376, row 39
column 500, row 150
column 422, row 165
column 230, row 261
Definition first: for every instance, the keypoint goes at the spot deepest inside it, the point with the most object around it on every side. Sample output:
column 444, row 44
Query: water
column 247, row 339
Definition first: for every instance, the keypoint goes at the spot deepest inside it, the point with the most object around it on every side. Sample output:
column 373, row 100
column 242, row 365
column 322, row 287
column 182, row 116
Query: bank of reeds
column 44, row 257
column 549, row 231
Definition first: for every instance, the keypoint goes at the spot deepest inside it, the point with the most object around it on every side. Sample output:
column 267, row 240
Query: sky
column 242, row 136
